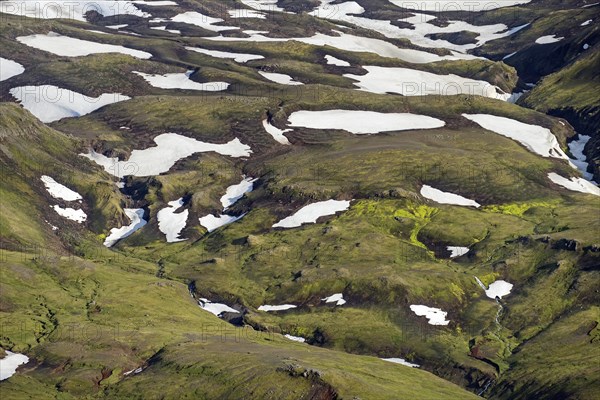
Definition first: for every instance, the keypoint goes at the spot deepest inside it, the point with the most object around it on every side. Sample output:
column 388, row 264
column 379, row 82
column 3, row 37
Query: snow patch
column 548, row 39
column 457, row 251
column 401, row 361
column 72, row 47
column 276, row 133
column 362, row 122
column 295, row 338
column 212, row 222
column 50, row 103
column 235, row 192
column 215, row 308
column 312, row 212
column 434, row 315
column 575, row 184
column 171, row 223
column 337, row 298
column 447, row 198
column 10, row 363
column 237, row 57
column 59, row 191
column 282, row 307
column 136, row 216
column 203, row 21
column 171, row 147
column 72, row 10
column 280, row 78
column 78, row 216
column 181, row 81
column 9, row 68
column 331, row 60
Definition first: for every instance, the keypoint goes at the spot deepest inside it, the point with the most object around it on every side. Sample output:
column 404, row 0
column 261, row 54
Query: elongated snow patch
column 171, row 147
column 280, row 78
column 72, row 47
column 10, row 363
column 9, row 68
column 331, row 60
column 50, row 103
column 548, row 39
column 235, row 192
column 212, row 222
column 203, row 21
column 281, row 307
column 535, row 138
column 59, row 191
column 295, row 338
column 136, row 216
column 576, row 148
column 215, row 308
column 362, row 122
column 337, row 298
column 312, row 212
column 446, row 198
column 434, row 315
column 276, row 133
column 457, row 251
column 401, row 361
column 78, row 216
column 460, row 5
column 181, row 81
column 574, row 184
column 237, row 57
column 412, row 82
column 170, row 222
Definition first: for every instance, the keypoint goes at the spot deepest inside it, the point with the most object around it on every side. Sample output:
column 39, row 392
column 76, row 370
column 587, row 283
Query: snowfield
column 235, row 192
column 181, row 81
column 237, row 57
column 72, row 47
column 9, row 68
column 362, row 122
column 59, row 191
column 575, row 184
column 276, row 133
column 412, row 82
column 535, row 138
column 434, row 315
column 548, row 39
column 279, row 78
column 51, row 103
column 10, row 363
column 171, row 222
column 446, row 198
column 312, row 212
column 212, row 222
column 171, row 147
column 136, row 216
column 215, row 308
column 78, row 216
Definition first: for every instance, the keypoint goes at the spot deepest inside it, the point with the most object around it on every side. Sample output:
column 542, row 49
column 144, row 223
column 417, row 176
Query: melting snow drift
column 446, row 198
column 362, row 122
column 434, row 315
column 181, row 81
column 171, row 223
column 575, row 184
column 59, row 191
column 50, row 103
column 136, row 216
column 276, row 133
column 337, row 298
column 10, row 363
column 282, row 307
column 312, row 212
column 401, row 361
column 9, row 68
column 215, row 308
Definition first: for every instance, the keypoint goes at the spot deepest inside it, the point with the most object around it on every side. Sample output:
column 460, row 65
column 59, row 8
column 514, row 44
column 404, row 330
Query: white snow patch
column 59, row 191
column 171, row 147
column 164, row 28
column 280, row 78
column 337, row 298
column 246, row 13
column 235, row 192
column 548, row 39
column 181, row 81
column 362, row 122
column 203, row 21
column 434, row 315
column 276, row 308
column 509, row 55
column 401, row 361
column 331, row 60
column 72, row 47
column 576, row 148
column 9, row 68
column 446, row 198
column 116, row 26
column 276, row 133
column 535, row 138
column 575, row 184
column 50, row 103
column 295, row 338
column 586, row 22
column 136, row 216
column 78, row 216
column 412, row 82
column 457, row 251
column 237, row 57
column 215, row 308
column 498, row 289
column 212, row 222
column 312, row 212
column 10, row 363
column 263, row 5
column 170, row 222
column 134, row 371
